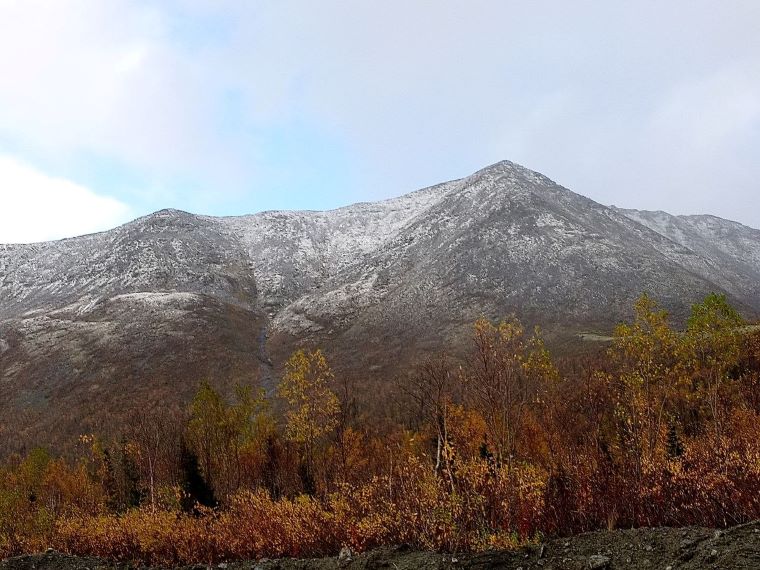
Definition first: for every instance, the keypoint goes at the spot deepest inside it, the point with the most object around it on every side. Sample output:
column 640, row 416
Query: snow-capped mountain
column 730, row 246
column 94, row 325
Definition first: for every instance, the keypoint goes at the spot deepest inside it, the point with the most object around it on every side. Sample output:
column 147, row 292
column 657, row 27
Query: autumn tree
column 432, row 389
column 155, row 436
column 312, row 408
column 205, row 430
column 348, row 440
column 251, row 427
column 749, row 369
column 218, row 433
column 506, row 374
column 648, row 371
column 714, row 341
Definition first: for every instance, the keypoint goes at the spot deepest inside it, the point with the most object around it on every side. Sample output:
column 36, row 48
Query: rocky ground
column 659, row 548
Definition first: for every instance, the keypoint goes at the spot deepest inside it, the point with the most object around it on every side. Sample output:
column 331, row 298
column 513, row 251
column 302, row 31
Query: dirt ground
column 658, row 548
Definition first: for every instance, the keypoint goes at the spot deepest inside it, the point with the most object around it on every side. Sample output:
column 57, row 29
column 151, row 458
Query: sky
column 112, row 109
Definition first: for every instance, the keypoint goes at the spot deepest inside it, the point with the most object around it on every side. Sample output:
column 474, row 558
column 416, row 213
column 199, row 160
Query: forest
column 502, row 447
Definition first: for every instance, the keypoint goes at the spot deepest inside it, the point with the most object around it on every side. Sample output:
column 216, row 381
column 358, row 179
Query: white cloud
column 37, row 207
column 106, row 78
column 648, row 104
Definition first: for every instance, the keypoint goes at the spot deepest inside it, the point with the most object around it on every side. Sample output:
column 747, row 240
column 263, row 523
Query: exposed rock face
column 141, row 313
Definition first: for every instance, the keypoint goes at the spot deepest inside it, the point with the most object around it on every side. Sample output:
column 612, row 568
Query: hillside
column 137, row 316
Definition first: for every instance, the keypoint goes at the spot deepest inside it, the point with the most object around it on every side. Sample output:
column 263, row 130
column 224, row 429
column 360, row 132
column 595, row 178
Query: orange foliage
column 662, row 430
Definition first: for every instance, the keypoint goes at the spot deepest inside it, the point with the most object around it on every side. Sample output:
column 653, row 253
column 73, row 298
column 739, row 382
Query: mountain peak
column 515, row 171
column 502, row 166
column 170, row 214
column 168, row 217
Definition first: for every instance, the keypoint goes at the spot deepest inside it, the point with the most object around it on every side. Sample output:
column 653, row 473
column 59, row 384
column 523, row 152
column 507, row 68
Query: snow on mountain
column 733, row 249
column 139, row 314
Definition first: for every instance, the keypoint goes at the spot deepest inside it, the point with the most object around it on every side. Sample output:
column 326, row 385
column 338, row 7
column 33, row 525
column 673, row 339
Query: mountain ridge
column 178, row 212
column 157, row 304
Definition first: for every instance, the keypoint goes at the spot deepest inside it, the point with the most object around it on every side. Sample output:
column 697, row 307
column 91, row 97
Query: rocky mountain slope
column 730, row 246
column 137, row 315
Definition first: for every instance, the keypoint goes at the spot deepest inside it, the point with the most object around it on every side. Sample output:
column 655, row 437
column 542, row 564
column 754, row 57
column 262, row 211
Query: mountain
column 91, row 327
column 732, row 248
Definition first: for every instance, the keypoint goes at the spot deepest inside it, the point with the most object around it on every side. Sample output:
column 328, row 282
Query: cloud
column 37, row 207
column 108, row 79
column 650, row 105
column 646, row 105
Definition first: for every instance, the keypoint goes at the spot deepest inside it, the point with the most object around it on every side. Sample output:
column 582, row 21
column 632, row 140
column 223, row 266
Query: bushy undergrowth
column 504, row 449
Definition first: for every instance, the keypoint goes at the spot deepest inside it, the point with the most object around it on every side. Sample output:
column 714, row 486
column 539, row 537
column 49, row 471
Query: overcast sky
column 112, row 109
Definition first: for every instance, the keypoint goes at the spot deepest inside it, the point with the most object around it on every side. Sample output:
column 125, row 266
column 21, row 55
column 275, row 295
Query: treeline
column 489, row 451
